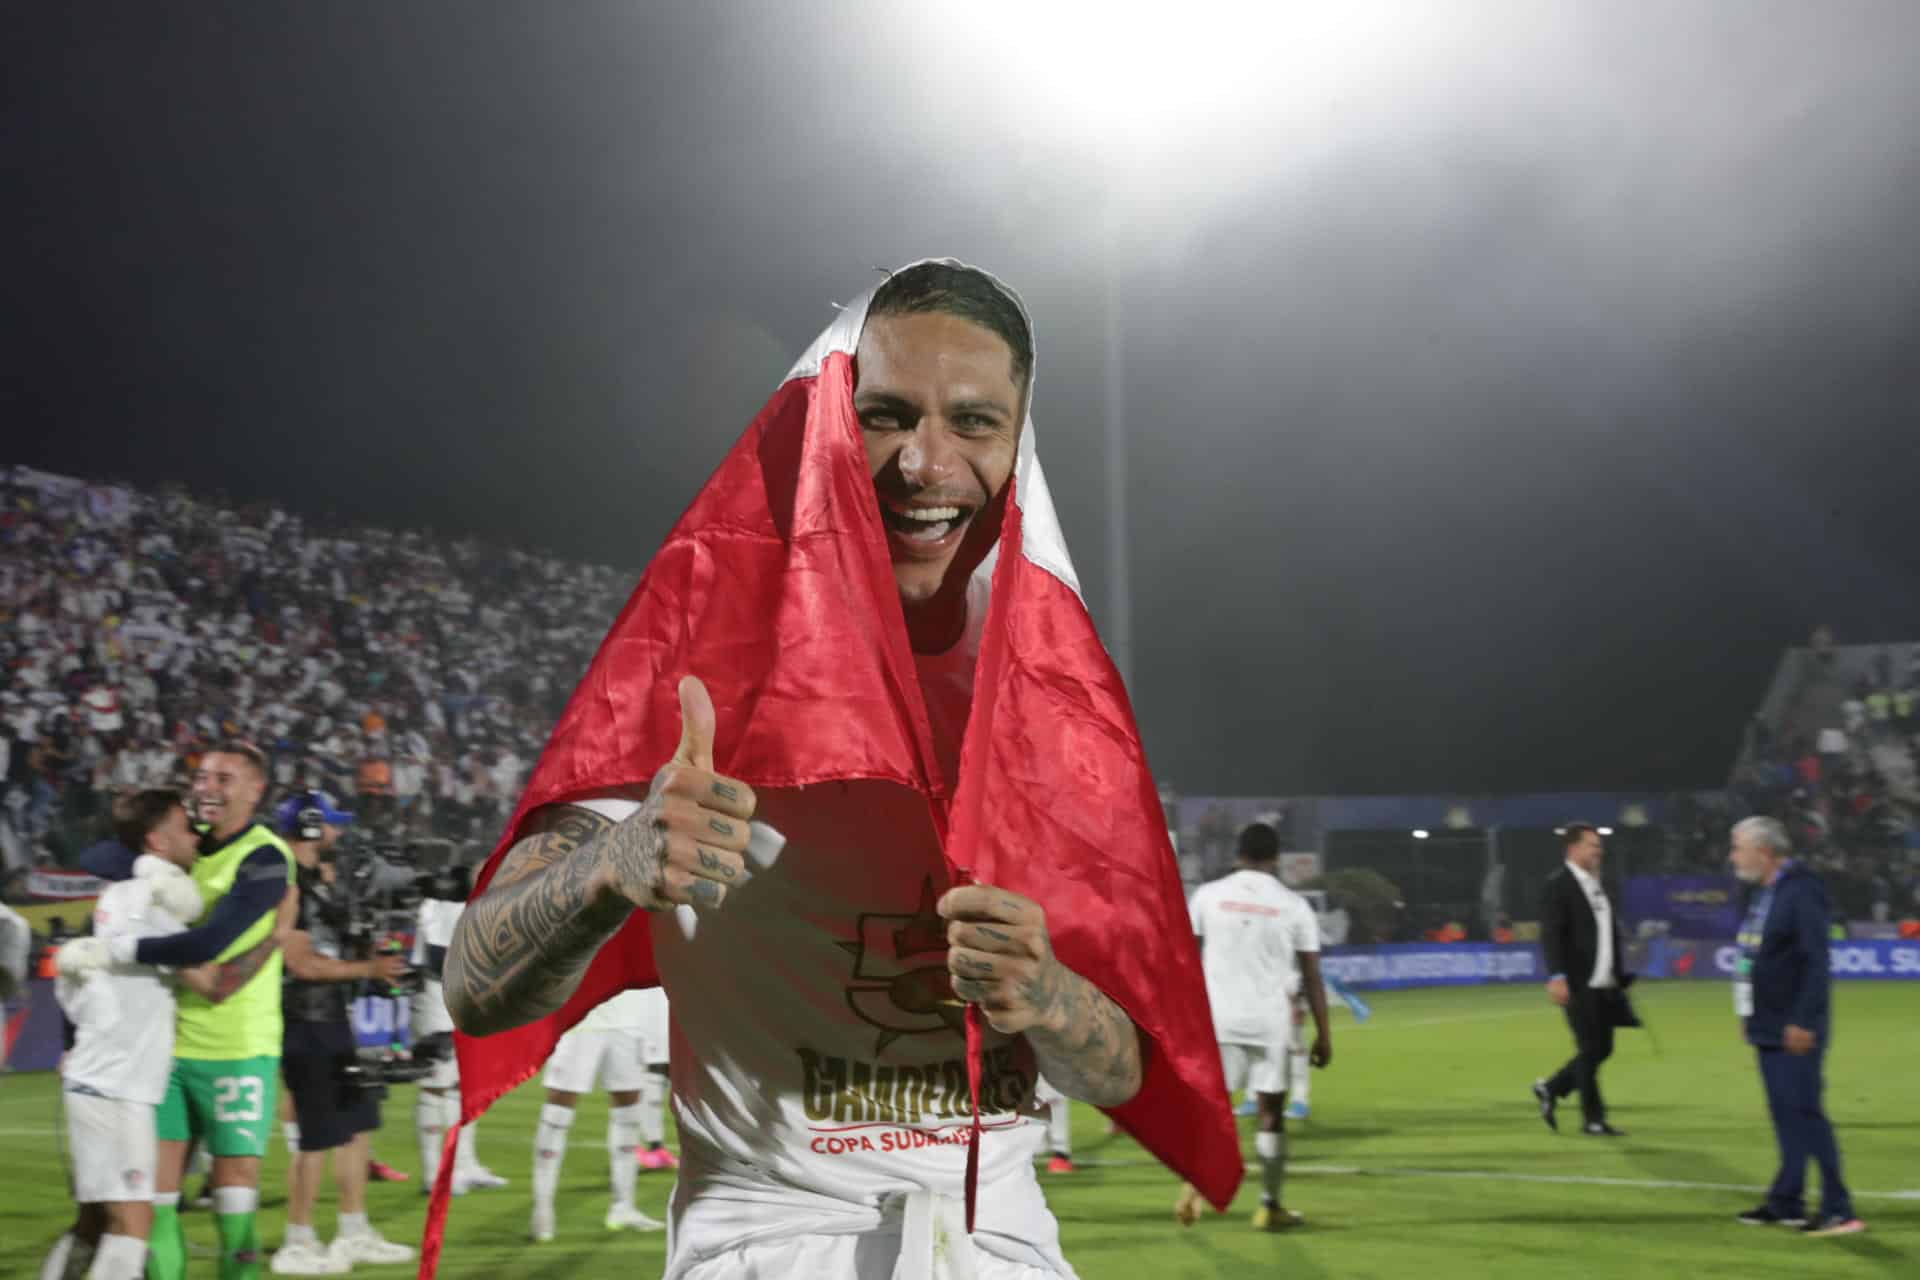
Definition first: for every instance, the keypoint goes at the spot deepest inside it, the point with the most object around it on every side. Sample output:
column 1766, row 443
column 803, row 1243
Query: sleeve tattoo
column 522, row 947
column 1087, row 1046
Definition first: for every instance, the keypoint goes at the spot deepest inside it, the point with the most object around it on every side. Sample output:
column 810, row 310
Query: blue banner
column 380, row 1022
column 1416, row 964
column 1691, row 906
column 1873, row 960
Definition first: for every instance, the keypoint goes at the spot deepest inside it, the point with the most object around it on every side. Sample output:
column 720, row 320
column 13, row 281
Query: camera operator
column 335, row 1113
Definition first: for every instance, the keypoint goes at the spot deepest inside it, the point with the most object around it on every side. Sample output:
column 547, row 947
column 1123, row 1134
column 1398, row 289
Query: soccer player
column 114, row 1077
column 821, row 1112
column 1259, row 944
column 1059, row 1136
column 608, row 1045
column 226, row 1056
column 437, row 1103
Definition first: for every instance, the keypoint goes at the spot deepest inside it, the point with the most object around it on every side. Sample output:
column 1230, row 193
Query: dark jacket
column 1570, row 933
column 1791, row 983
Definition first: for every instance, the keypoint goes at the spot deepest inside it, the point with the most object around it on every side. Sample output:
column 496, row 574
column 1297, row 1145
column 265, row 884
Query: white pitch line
column 1394, row 1024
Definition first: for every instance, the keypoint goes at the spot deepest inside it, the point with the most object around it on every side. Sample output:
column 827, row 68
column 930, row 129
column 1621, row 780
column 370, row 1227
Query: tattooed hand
column 574, row 877
column 1000, row 956
column 687, row 842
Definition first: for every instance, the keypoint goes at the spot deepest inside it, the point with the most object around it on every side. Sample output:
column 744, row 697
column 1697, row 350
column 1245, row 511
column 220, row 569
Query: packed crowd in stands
column 415, row 676
column 1846, row 790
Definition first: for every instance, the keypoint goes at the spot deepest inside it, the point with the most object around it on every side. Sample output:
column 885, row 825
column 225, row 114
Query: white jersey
column 432, row 936
column 818, row 1069
column 1252, row 927
column 123, row 1015
column 628, row 1011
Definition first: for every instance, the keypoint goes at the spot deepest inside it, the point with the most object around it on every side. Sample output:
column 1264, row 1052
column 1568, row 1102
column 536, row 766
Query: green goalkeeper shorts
column 229, row 1105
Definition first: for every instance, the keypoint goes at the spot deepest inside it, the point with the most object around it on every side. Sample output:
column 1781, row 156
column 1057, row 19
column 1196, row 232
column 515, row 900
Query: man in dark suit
column 1781, row 990
column 1585, row 951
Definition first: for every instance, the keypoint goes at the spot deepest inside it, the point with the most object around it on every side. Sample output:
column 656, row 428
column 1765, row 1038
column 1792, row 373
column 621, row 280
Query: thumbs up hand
column 688, row 843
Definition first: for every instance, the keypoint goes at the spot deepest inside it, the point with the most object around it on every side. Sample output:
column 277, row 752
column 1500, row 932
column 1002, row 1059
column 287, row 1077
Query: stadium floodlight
column 1605, row 831
column 1421, row 834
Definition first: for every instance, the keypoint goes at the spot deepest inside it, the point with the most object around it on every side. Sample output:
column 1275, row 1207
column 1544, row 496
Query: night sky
column 1504, row 388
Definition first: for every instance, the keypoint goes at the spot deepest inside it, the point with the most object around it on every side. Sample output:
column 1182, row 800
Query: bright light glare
column 1421, row 835
column 1605, row 831
column 1126, row 71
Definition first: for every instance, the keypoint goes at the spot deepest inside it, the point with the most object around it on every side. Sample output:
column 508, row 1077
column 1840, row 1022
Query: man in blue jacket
column 1780, row 992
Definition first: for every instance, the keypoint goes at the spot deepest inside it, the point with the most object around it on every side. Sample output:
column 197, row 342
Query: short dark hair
column 1574, row 832
column 136, row 815
column 246, row 751
column 964, row 292
column 1259, row 842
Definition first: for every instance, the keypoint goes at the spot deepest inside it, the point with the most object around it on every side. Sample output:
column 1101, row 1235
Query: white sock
column 352, row 1224
column 653, row 1109
column 1299, row 1074
column 1060, row 1126
column 291, row 1131
column 549, row 1149
column 202, row 1160
column 236, row 1199
column 623, row 1135
column 1272, row 1150
column 54, row 1267
column 430, row 1120
column 119, row 1258
column 465, row 1156
column 297, row 1234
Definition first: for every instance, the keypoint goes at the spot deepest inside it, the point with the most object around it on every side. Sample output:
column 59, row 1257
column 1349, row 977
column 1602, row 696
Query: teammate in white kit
column 608, row 1045
column 436, row 1106
column 1059, row 1126
column 115, row 1076
column 1259, row 946
column 819, row 1062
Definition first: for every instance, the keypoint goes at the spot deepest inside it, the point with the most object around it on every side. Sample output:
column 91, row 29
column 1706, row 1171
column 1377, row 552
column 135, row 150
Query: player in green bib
column 226, row 1056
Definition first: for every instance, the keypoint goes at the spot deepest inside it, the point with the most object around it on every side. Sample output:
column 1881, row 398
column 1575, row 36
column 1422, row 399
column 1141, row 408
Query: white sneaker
column 624, row 1217
column 308, row 1260
column 369, row 1246
column 541, row 1228
column 478, row 1178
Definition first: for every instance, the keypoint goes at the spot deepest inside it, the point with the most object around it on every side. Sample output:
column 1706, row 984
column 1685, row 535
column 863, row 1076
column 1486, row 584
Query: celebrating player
column 820, row 1071
column 226, row 1057
column 115, row 1076
column 1259, row 944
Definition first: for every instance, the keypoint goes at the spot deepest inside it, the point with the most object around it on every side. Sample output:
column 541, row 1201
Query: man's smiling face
column 939, row 408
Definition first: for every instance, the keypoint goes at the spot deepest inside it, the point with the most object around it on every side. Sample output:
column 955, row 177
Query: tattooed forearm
column 1087, row 1046
column 237, row 972
column 522, row 946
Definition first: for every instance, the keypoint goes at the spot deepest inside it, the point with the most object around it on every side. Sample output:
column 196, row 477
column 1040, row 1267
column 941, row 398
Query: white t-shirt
column 1252, row 927
column 123, row 1015
column 1603, row 922
column 813, row 1058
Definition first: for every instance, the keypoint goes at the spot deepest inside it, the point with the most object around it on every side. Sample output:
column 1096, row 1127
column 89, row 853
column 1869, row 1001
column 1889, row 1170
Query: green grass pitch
column 1424, row 1157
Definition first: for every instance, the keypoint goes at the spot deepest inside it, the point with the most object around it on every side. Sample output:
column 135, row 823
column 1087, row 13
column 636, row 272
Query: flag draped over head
column 777, row 590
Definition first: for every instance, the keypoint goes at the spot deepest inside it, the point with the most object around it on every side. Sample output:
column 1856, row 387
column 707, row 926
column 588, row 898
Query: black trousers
column 1592, row 1014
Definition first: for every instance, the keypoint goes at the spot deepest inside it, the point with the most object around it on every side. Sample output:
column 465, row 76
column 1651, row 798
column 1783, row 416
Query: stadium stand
column 414, row 676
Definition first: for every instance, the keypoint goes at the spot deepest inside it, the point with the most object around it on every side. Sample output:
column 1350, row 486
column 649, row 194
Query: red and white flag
column 777, row 590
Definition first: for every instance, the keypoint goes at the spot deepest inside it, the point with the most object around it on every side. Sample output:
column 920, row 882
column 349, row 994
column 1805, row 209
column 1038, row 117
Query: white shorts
column 113, row 1148
column 1263, row 1069
column 616, row 1058
column 445, row 1075
column 843, row 1257
column 654, row 1030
